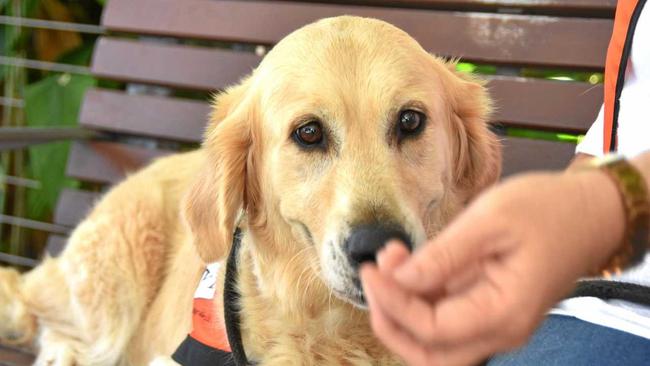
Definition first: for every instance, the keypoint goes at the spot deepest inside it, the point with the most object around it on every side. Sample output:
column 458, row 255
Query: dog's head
column 346, row 135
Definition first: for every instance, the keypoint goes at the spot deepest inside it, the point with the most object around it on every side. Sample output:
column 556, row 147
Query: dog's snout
column 366, row 240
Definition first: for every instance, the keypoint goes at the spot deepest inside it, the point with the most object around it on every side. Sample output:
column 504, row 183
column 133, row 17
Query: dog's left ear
column 217, row 195
column 477, row 155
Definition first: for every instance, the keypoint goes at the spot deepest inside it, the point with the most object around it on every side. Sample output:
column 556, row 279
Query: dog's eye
column 309, row 134
column 411, row 122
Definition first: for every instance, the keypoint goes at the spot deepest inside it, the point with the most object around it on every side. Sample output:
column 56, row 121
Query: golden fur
column 121, row 292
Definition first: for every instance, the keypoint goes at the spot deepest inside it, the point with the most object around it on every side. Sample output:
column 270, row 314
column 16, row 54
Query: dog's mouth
column 359, row 296
column 353, row 295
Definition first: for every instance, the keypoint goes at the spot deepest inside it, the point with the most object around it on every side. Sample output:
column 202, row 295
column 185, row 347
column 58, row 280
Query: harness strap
column 613, row 290
column 231, row 305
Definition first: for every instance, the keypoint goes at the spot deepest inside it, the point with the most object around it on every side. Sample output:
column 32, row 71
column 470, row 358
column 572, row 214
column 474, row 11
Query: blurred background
column 45, row 50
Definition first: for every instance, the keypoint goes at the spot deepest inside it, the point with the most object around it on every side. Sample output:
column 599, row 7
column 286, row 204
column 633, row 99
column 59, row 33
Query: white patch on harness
column 208, row 283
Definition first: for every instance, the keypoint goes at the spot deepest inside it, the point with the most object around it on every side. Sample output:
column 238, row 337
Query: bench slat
column 545, row 104
column 567, row 106
column 55, row 245
column 521, row 155
column 107, row 162
column 563, row 7
column 160, row 117
column 178, row 66
column 73, row 205
column 483, row 37
column 540, row 104
column 14, row 357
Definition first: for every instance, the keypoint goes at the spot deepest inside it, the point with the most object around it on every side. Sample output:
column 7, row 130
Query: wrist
column 604, row 214
column 631, row 185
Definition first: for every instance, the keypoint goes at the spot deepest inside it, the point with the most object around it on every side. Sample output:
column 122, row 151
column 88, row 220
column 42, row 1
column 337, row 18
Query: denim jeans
column 568, row 341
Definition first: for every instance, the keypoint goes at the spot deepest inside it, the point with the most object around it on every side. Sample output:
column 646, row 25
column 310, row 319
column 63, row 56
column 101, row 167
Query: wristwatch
column 633, row 190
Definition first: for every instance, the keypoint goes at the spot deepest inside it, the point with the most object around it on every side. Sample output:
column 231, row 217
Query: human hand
column 484, row 284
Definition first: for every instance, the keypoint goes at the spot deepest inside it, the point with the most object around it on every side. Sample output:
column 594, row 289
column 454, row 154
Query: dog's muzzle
column 366, row 240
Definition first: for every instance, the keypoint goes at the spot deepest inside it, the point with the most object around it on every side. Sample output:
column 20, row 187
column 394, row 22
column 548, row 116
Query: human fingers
column 466, row 353
column 494, row 304
column 391, row 256
column 415, row 352
column 394, row 254
column 433, row 265
column 426, row 321
column 396, row 339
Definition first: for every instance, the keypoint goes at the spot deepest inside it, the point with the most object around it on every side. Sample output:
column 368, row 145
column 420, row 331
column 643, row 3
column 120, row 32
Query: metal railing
column 43, row 65
column 18, row 138
column 12, row 138
column 51, row 25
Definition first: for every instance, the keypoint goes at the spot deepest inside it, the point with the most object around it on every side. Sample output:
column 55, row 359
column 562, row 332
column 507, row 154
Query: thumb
column 434, row 264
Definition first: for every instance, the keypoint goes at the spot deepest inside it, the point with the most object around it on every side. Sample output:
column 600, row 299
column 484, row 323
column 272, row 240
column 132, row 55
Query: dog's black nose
column 365, row 241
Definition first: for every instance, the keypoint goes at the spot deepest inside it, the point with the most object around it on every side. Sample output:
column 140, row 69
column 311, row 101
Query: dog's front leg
column 54, row 351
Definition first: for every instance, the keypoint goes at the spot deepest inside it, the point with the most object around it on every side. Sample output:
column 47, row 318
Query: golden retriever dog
column 348, row 133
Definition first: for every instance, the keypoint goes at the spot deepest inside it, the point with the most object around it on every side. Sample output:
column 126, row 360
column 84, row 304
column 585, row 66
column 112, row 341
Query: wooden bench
column 193, row 47
column 170, row 54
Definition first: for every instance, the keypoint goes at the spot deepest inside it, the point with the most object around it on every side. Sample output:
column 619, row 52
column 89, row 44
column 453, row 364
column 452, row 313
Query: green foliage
column 551, row 74
column 53, row 101
column 564, row 75
column 3, row 186
column 543, row 135
column 27, row 7
column 79, row 56
column 476, row 68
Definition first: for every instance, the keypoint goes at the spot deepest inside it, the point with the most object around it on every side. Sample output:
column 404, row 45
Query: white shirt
column 633, row 138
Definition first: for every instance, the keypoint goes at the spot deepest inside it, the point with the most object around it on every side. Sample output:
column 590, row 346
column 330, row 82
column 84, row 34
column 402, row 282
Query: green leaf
column 3, row 49
column 79, row 56
column 53, row 101
column 543, row 135
column 29, row 8
column 3, row 188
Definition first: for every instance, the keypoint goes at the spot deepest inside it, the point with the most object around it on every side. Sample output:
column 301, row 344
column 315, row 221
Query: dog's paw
column 55, row 355
column 163, row 361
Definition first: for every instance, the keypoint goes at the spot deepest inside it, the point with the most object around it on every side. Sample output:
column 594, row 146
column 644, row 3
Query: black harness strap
column 613, row 290
column 194, row 353
column 231, row 306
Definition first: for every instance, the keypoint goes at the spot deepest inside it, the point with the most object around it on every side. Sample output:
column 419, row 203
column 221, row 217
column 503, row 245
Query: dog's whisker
column 305, row 270
column 298, row 254
column 312, row 279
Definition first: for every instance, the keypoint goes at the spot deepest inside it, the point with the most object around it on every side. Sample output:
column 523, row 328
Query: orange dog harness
column 207, row 344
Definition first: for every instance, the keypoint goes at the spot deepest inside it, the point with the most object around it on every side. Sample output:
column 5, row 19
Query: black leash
column 231, row 306
column 613, row 290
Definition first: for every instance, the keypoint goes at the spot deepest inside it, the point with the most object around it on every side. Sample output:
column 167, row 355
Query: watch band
column 634, row 194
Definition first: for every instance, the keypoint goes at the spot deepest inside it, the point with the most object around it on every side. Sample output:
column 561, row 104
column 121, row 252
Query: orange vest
column 206, row 327
column 618, row 52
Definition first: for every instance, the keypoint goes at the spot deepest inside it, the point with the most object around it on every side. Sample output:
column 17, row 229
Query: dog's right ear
column 215, row 198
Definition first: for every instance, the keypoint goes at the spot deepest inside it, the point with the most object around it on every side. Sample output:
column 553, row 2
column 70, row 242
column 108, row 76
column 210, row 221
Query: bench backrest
column 171, row 53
